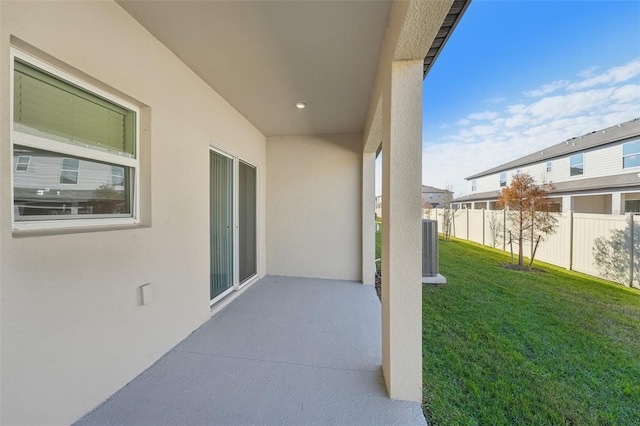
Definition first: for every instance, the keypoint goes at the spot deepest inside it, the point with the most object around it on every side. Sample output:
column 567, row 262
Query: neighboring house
column 158, row 145
column 434, row 196
column 594, row 173
column 378, row 206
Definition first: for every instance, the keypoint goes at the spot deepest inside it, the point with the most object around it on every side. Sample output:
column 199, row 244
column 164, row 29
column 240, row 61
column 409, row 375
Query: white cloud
column 496, row 100
column 547, row 88
column 628, row 93
column 611, row 76
column 463, row 122
column 588, row 72
column 515, row 109
column 483, row 130
column 486, row 115
column 516, row 120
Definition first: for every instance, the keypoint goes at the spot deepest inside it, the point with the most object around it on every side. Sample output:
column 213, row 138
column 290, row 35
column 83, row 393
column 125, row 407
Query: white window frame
column 61, row 147
column 582, row 163
column 549, row 166
column 474, row 185
column 629, row 155
column 503, row 182
column 68, row 169
column 18, row 163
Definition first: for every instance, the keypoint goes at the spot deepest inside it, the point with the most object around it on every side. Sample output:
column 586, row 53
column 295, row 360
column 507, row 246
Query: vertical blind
column 52, row 106
column 221, row 211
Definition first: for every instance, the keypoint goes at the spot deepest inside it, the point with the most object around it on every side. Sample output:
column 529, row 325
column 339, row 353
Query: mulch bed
column 379, row 283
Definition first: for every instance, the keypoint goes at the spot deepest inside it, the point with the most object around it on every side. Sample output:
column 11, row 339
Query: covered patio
column 291, row 351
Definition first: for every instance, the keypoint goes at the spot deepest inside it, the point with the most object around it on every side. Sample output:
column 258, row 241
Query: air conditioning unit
column 430, row 273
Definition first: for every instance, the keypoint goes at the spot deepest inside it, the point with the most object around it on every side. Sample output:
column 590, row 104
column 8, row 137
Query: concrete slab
column 435, row 279
column 290, row 351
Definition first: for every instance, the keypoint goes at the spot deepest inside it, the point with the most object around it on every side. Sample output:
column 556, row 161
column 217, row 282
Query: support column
column 368, row 218
column 616, row 203
column 567, row 203
column 401, row 230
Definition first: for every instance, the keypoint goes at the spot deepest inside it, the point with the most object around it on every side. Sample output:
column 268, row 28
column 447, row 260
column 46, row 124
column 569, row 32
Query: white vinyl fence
column 601, row 245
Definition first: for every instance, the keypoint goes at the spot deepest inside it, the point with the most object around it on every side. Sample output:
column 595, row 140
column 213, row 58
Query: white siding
column 603, row 161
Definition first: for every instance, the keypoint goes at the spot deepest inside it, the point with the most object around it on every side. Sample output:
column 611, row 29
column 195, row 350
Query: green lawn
column 503, row 347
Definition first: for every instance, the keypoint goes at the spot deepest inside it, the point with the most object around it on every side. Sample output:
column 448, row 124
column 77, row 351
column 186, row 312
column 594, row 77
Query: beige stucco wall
column 313, row 206
column 72, row 329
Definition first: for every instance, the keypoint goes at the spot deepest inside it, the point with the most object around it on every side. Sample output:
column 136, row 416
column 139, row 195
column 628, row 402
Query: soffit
column 264, row 56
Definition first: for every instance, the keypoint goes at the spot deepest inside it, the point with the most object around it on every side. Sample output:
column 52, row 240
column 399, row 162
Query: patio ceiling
column 264, row 56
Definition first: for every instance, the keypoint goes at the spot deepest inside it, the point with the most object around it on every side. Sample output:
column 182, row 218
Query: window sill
column 80, row 229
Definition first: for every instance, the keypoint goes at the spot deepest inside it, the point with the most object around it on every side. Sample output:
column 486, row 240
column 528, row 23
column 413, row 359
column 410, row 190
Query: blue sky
column 518, row 76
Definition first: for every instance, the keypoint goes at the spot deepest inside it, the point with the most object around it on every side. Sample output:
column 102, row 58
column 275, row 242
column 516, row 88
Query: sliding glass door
column 247, row 221
column 233, row 221
column 221, row 212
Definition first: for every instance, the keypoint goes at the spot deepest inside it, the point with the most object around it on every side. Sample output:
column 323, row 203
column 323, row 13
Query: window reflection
column 56, row 186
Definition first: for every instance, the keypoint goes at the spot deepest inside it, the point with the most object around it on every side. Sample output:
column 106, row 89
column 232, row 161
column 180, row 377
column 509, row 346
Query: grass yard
column 503, row 347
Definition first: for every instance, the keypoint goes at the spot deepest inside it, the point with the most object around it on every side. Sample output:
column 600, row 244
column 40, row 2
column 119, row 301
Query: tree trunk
column 520, row 251
column 521, row 240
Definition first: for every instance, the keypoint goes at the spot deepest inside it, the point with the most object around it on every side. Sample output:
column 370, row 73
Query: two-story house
column 432, row 196
column 436, row 197
column 594, row 173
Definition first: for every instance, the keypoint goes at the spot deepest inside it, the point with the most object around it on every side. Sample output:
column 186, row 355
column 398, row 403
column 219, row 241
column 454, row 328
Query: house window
column 69, row 171
column 632, row 206
column 631, row 154
column 22, row 163
column 549, row 166
column 576, row 164
column 81, row 144
column 474, row 185
column 518, row 171
column 503, row 179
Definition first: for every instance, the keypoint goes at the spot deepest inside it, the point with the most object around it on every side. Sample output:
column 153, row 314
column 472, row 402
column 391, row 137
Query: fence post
column 483, row 226
column 571, row 240
column 504, row 229
column 631, row 246
column 468, row 224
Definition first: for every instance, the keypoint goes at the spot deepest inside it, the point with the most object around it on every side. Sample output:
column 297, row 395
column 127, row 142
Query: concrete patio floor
column 289, row 351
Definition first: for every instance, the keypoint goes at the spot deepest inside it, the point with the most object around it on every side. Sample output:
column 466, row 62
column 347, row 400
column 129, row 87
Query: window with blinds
column 46, row 105
column 82, row 145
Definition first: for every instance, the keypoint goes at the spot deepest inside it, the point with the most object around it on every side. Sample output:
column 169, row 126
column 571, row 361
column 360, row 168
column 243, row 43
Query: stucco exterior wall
column 313, row 206
column 73, row 331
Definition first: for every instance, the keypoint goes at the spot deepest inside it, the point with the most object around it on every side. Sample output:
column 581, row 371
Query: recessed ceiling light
column 300, row 105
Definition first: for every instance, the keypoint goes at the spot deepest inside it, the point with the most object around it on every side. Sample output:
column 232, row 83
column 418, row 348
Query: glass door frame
column 236, row 221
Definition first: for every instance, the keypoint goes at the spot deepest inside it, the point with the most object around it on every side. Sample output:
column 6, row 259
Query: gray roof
column 617, row 133
column 627, row 180
column 433, row 189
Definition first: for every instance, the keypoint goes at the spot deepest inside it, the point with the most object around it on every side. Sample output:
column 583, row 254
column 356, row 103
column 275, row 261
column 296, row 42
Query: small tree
column 426, row 209
column 448, row 213
column 528, row 211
